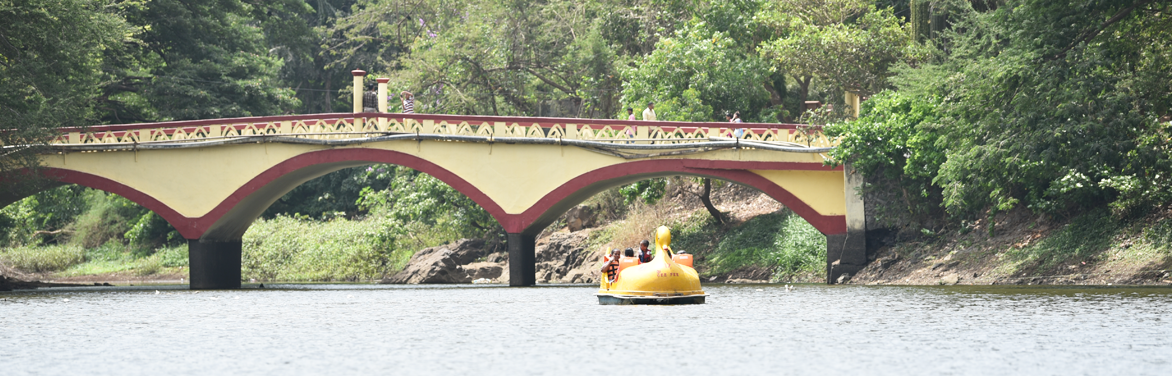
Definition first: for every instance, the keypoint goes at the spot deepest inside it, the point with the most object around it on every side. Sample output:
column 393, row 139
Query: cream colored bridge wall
column 194, row 181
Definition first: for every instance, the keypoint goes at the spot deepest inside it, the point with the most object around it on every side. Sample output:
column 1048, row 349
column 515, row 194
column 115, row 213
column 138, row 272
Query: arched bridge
column 212, row 178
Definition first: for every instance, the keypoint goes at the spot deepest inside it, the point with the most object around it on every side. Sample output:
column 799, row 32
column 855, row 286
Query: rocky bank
column 1027, row 249
column 561, row 258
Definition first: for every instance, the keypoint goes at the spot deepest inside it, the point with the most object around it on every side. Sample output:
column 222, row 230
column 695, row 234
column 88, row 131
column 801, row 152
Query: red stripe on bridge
column 735, row 171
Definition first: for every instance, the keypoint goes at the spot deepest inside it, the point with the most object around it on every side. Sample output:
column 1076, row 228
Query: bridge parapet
column 365, row 125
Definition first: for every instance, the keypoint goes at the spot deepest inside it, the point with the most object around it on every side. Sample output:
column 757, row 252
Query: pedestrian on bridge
column 630, row 129
column 649, row 113
column 408, row 102
column 736, row 118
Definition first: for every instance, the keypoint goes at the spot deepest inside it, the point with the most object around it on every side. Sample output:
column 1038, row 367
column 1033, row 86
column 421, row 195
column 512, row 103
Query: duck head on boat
column 667, row 279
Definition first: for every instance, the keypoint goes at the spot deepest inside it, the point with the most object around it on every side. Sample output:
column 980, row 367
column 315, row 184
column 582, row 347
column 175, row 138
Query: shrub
column 291, row 249
column 782, row 241
column 43, row 259
column 172, row 257
column 148, row 266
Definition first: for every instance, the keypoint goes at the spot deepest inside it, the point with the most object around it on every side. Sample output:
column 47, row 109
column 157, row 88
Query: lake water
column 493, row 330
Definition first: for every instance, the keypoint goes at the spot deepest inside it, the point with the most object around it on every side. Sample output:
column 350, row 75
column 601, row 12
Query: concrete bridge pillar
column 214, row 265
column 847, row 253
column 522, row 259
column 358, row 89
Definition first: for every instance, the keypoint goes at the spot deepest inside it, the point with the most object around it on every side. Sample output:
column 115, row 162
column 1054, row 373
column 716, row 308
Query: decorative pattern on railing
column 348, row 126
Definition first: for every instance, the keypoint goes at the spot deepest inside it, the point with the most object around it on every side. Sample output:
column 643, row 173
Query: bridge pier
column 522, row 259
column 846, row 253
column 214, row 265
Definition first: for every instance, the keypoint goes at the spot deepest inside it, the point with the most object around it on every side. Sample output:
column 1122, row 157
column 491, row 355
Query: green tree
column 415, row 197
column 1058, row 106
column 332, row 195
column 295, row 32
column 896, row 142
column 194, row 59
column 698, row 75
column 850, row 44
column 46, row 213
column 51, row 53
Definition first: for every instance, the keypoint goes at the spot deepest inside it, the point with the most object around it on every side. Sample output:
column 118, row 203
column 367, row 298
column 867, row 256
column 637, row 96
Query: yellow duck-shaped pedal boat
column 666, row 279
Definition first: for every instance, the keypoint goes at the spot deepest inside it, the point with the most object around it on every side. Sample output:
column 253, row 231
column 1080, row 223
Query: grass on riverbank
column 292, row 249
column 280, row 249
column 34, row 259
column 783, row 242
column 72, row 260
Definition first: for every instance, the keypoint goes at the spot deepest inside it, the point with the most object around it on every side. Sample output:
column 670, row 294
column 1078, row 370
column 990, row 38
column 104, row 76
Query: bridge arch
column 61, row 176
column 574, row 192
column 231, row 218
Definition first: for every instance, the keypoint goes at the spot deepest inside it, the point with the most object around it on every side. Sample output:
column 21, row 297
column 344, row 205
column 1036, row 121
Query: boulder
column 580, row 217
column 442, row 264
column 483, row 270
column 562, row 259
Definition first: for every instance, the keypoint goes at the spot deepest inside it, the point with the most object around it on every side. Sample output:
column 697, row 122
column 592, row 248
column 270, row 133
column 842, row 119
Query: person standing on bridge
column 408, row 102
column 736, row 118
column 649, row 113
column 630, row 129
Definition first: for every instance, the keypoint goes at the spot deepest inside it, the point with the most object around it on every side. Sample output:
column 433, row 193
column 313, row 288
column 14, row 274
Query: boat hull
column 609, row 299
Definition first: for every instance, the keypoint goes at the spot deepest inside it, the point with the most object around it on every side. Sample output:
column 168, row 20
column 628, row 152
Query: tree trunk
column 706, row 198
column 938, row 19
column 327, row 102
column 774, row 96
column 803, row 92
column 920, row 11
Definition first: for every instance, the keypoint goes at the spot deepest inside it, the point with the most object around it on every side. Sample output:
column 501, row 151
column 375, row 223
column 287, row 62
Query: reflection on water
column 371, row 329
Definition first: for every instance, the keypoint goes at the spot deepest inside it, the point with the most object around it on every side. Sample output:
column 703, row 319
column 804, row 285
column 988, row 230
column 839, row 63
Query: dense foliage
column 51, row 54
column 1057, row 106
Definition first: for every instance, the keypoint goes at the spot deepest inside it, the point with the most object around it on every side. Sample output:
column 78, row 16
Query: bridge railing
column 349, row 125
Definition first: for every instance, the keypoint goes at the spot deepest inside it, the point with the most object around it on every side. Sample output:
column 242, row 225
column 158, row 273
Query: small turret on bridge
column 211, row 179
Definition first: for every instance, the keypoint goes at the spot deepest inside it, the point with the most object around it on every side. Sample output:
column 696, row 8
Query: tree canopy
column 976, row 105
column 1057, row 106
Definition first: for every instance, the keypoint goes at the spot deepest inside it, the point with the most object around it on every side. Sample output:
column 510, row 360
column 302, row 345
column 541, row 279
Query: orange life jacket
column 612, row 269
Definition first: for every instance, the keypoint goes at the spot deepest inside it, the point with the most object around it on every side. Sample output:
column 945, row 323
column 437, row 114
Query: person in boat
column 610, row 265
column 629, row 252
column 645, row 254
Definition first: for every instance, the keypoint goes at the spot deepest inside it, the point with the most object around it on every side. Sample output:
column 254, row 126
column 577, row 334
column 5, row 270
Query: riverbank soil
column 13, row 279
column 1095, row 248
column 20, row 281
